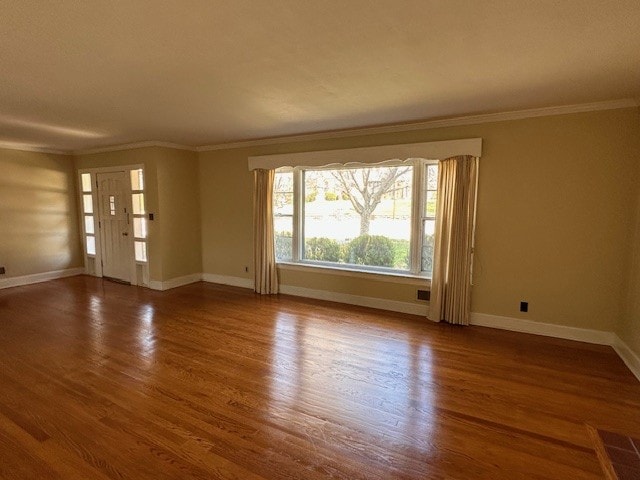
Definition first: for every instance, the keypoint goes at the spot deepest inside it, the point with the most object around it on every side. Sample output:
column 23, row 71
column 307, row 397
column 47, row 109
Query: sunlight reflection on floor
column 392, row 400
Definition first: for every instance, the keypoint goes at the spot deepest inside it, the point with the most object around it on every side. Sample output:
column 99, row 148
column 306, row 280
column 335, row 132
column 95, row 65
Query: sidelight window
column 87, row 212
column 139, row 215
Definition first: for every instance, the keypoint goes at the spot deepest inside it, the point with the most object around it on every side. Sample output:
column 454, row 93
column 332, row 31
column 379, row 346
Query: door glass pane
column 91, row 245
column 138, row 203
column 140, row 227
column 141, row 251
column 87, row 202
column 112, row 205
column 86, row 182
column 88, row 224
column 137, row 180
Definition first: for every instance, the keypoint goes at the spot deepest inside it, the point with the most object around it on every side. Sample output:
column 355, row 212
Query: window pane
column 88, row 224
column 141, row 251
column 138, row 203
column 112, row 205
column 432, row 177
column 86, row 182
column 139, row 227
column 283, row 193
column 430, row 206
column 428, row 229
column 359, row 216
column 283, row 215
column 284, row 243
column 91, row 245
column 137, row 180
column 87, row 202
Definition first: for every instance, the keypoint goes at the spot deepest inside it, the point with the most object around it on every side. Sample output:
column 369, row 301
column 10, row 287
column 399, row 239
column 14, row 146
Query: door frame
column 139, row 271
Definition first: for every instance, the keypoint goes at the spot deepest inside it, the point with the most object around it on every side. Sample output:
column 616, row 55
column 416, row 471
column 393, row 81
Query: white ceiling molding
column 29, row 148
column 131, row 146
column 446, row 122
column 370, row 155
column 429, row 124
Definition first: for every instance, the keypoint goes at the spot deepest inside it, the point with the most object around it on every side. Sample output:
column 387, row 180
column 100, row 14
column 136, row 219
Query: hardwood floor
column 106, row 381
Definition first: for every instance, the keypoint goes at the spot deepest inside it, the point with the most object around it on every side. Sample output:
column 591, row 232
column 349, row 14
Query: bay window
column 376, row 218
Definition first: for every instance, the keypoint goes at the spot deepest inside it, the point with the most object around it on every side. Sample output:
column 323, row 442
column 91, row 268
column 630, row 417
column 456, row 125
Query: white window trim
column 369, row 155
column 346, row 270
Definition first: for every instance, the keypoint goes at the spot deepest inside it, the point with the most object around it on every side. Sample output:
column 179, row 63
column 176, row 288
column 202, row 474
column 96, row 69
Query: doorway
column 113, row 213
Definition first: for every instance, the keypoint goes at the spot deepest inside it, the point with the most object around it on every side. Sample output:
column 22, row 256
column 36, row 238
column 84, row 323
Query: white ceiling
column 81, row 74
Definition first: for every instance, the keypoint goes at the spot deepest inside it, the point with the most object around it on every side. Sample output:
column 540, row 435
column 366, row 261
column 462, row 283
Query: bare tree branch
column 371, row 192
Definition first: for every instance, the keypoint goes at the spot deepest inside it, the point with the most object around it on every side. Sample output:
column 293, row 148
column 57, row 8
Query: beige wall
column 171, row 193
column 178, row 186
column 226, row 213
column 553, row 216
column 629, row 328
column 38, row 213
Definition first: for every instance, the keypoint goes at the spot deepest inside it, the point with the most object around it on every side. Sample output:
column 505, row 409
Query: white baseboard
column 175, row 282
column 480, row 319
column 627, row 355
column 40, row 277
column 228, row 280
column 538, row 328
column 381, row 303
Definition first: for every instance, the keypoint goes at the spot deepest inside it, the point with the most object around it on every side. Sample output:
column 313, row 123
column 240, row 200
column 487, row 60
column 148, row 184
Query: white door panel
column 115, row 239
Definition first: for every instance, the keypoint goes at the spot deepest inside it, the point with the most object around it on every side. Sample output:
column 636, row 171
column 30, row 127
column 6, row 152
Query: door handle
column 125, row 234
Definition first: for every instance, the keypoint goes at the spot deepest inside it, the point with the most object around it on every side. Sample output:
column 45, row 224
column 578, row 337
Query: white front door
column 113, row 215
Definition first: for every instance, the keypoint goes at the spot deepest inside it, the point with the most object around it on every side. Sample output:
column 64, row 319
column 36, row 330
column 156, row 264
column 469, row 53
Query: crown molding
column 131, row 146
column 354, row 132
column 29, row 148
column 429, row 124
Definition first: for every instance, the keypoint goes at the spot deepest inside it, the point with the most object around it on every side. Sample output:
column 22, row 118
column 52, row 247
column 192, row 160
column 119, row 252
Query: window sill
column 392, row 277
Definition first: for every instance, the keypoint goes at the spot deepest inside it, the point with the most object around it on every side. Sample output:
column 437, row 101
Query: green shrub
column 322, row 249
column 310, row 197
column 330, row 196
column 400, row 254
column 284, row 245
column 374, row 250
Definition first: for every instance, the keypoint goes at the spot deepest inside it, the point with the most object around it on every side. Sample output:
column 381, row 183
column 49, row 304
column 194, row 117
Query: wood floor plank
column 100, row 380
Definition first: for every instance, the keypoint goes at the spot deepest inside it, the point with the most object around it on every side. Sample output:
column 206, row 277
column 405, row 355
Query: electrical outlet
column 2, row 271
column 524, row 306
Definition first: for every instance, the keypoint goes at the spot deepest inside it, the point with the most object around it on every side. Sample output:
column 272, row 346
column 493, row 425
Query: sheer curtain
column 266, row 274
column 455, row 222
